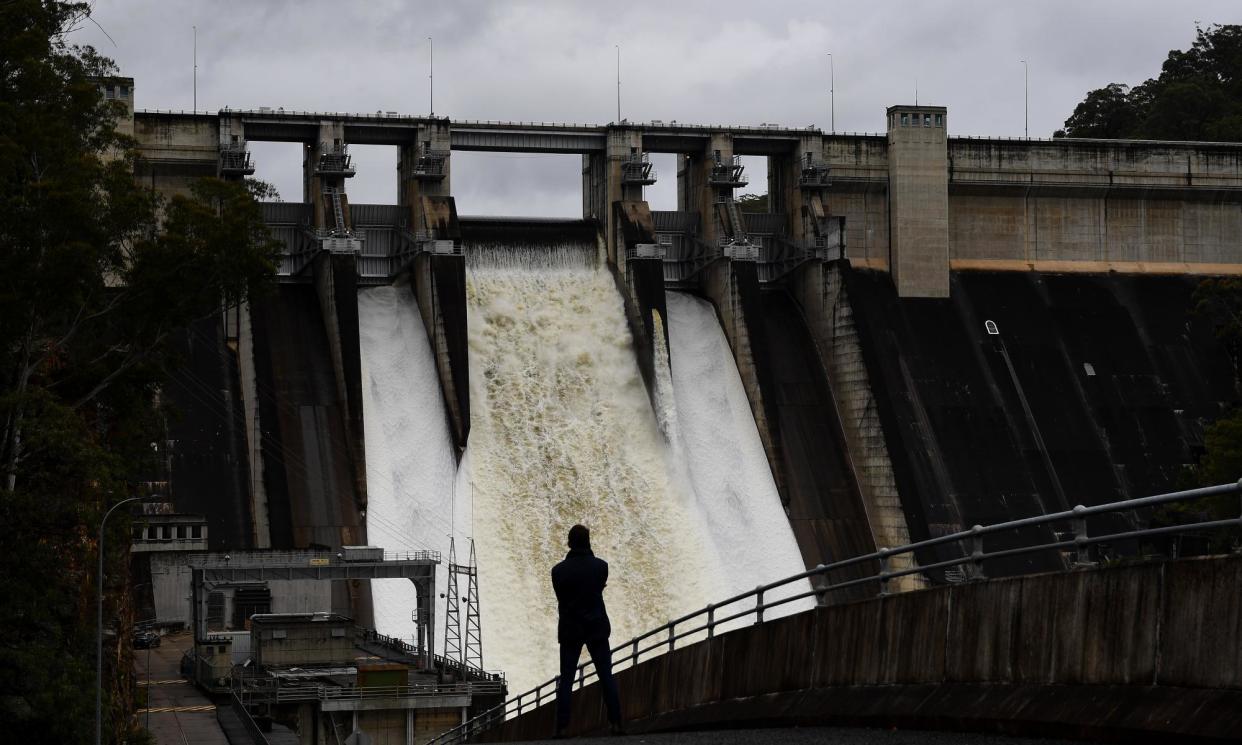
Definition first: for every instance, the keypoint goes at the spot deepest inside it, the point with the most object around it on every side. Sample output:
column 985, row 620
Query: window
column 124, row 91
column 905, row 120
column 927, row 120
column 180, row 531
column 196, row 531
column 939, row 120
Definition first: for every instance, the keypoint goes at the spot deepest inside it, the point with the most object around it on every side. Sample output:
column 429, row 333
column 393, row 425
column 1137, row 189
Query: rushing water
column 714, row 435
column 562, row 432
column 410, row 463
column 679, row 499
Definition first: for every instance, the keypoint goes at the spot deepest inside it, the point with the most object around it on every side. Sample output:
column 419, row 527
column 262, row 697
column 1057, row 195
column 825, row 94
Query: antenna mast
column 618, row 83
column 195, row 68
column 431, row 78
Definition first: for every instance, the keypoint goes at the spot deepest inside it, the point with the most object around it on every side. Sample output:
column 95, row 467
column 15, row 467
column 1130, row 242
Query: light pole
column 99, row 619
column 832, row 95
column 1026, row 116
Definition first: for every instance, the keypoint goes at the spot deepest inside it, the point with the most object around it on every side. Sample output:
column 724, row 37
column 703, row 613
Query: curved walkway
column 811, row 736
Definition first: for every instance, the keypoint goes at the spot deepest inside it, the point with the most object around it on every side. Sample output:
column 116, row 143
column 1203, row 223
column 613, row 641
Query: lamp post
column 832, row 95
column 1026, row 81
column 99, row 619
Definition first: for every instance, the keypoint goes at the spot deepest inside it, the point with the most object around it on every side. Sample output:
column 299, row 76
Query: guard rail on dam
column 1145, row 650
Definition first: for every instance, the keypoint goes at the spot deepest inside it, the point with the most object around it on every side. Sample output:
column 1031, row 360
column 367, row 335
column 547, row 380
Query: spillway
column 680, row 499
column 410, row 461
column 562, row 431
column 714, row 437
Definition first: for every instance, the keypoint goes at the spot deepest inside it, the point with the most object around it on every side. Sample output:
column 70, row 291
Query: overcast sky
column 726, row 61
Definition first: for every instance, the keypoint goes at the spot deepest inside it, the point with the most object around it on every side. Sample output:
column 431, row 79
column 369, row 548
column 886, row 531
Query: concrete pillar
column 604, row 185
column 799, row 198
column 697, row 193
column 325, row 168
column 918, row 200
column 641, row 285
column 424, row 175
column 613, row 195
column 439, row 285
column 235, row 161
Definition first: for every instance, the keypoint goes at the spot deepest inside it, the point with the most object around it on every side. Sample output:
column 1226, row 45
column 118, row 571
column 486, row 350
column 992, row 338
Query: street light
column 99, row 616
column 832, row 95
column 1026, row 79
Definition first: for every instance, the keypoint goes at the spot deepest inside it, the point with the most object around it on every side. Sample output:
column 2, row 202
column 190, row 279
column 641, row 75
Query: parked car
column 146, row 639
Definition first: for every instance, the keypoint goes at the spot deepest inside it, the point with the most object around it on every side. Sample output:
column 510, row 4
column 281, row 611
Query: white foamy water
column 680, row 500
column 712, row 431
column 410, row 462
column 562, row 431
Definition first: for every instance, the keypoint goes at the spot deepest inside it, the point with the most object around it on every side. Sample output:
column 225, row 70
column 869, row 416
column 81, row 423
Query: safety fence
column 1073, row 542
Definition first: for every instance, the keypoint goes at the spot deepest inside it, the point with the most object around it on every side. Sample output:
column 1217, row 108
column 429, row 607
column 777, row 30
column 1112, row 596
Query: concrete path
column 810, row 736
column 180, row 714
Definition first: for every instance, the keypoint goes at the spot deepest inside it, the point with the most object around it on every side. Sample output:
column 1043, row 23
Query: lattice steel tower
column 474, row 633
column 469, row 654
column 452, row 614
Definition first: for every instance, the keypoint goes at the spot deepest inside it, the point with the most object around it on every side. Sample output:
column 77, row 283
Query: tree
column 1106, row 112
column 753, row 203
column 1197, row 96
column 96, row 272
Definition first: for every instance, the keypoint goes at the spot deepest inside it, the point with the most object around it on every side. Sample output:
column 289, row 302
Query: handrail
column 280, row 559
column 707, row 619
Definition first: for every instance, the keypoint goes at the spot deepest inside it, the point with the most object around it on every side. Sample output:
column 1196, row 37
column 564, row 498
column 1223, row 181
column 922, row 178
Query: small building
column 326, row 679
column 301, row 639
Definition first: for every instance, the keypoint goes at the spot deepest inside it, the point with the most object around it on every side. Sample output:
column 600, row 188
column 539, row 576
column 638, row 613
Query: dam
column 921, row 333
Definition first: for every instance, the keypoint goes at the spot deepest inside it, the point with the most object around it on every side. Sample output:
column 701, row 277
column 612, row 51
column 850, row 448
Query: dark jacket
column 579, row 583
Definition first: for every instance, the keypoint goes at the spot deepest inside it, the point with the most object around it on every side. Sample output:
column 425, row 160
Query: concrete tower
column 918, row 200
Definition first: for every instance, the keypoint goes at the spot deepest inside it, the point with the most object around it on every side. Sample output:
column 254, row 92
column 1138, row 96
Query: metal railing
column 300, row 558
column 364, row 635
column 249, row 696
column 754, row 604
column 252, row 728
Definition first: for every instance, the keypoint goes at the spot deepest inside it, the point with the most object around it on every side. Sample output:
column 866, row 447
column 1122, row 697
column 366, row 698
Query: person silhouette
column 579, row 581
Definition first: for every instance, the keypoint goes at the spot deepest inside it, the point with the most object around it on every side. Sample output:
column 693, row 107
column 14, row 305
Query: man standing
column 579, row 583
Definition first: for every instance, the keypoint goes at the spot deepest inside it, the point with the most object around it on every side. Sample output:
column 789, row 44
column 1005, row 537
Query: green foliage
column 1222, row 461
column 96, row 274
column 753, row 203
column 1219, row 300
column 1197, row 96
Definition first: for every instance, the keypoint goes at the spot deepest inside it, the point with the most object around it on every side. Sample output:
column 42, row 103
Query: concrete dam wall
column 840, row 390
column 1094, row 388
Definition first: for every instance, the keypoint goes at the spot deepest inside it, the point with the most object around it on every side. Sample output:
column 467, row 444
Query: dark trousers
column 601, row 655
